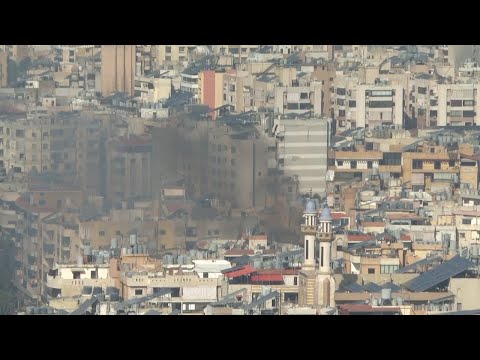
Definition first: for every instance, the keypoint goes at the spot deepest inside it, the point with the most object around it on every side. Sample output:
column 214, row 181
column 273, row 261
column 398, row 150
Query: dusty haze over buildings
column 239, row 179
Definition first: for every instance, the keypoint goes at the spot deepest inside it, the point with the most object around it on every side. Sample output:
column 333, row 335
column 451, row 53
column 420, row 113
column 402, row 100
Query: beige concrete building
column 237, row 166
column 173, row 53
column 128, row 168
column 299, row 100
column 68, row 280
column 118, row 69
column 16, row 52
column 153, row 90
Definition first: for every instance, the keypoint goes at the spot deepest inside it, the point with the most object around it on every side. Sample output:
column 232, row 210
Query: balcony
column 308, row 228
column 59, row 283
column 390, row 168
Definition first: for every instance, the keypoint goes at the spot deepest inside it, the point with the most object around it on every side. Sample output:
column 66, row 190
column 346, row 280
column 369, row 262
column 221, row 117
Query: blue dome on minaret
column 326, row 214
column 310, row 207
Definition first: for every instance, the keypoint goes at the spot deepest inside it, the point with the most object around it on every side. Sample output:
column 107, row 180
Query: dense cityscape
column 239, row 180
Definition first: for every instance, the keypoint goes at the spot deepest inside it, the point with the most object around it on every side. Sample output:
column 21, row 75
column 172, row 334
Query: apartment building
column 211, row 89
column 189, row 292
column 302, row 151
column 145, row 60
column 153, row 89
column 433, row 167
column 445, row 104
column 171, row 54
column 240, row 53
column 349, row 165
column 17, row 52
column 43, row 235
column 367, row 106
column 192, row 159
column 65, row 55
column 128, row 168
column 118, row 69
column 237, row 165
column 467, row 222
column 301, row 100
column 189, row 83
column 26, row 142
column 73, row 279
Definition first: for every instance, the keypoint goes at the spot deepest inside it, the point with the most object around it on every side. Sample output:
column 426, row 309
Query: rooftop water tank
column 386, row 294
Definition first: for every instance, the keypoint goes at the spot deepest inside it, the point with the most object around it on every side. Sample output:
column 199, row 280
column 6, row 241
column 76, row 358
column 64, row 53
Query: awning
column 245, row 270
column 267, row 278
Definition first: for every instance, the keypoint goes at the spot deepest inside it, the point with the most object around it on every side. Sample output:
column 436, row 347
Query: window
column 352, row 103
column 456, row 103
column 339, row 163
column 303, row 96
column 353, row 164
column 168, row 58
column 468, row 103
column 101, row 233
column 459, row 307
column 94, row 274
column 380, row 104
column 369, row 164
column 162, row 232
column 455, row 113
column 466, row 221
column 468, row 113
column 422, row 90
column 292, row 106
column 340, row 102
column 417, row 164
column 341, row 113
column 76, row 275
column 341, row 91
column 295, row 280
column 205, row 275
column 433, row 113
column 433, row 102
column 437, row 165
column 371, row 270
column 138, row 291
column 168, row 49
column 181, row 48
column 451, row 163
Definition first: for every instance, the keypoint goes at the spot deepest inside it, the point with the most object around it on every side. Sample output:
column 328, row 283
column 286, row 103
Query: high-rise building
column 302, row 151
column 118, row 69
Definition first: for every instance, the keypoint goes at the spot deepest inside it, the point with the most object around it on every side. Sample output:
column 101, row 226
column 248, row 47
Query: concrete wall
column 466, row 293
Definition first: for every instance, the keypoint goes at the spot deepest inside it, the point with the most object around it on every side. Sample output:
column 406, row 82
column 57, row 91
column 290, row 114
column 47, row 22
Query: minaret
column 307, row 276
column 325, row 280
column 309, row 229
